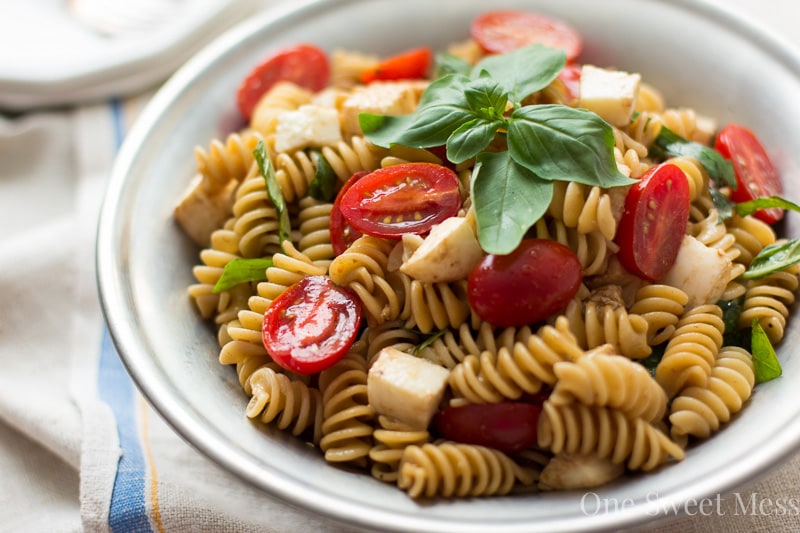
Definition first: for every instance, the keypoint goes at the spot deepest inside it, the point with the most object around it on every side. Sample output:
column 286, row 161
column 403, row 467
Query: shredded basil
column 323, row 186
column 429, row 341
column 273, row 191
column 748, row 208
column 773, row 258
column 765, row 360
column 545, row 142
column 241, row 271
column 670, row 144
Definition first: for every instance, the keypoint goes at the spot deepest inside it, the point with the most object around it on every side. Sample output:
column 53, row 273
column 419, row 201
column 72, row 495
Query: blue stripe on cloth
column 128, row 512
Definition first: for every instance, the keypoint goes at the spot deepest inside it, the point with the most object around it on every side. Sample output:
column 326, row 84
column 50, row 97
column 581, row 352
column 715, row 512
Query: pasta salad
column 487, row 269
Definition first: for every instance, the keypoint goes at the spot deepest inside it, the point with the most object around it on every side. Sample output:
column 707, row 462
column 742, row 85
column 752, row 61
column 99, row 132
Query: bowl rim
column 114, row 293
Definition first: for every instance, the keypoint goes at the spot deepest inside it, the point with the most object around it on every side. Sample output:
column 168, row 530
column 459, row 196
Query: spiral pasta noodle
column 437, row 305
column 451, row 469
column 604, row 378
column 391, row 438
column 363, row 268
column 751, row 235
column 607, row 433
column 224, row 248
column 593, row 249
column 226, row 161
column 595, row 324
column 347, row 415
column 699, row 411
column 768, row 300
column 289, row 403
column 662, row 307
column 585, row 208
column 313, row 222
column 507, row 374
column 692, row 349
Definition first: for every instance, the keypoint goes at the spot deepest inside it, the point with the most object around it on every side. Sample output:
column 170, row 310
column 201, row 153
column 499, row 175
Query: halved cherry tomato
column 406, row 198
column 654, row 221
column 311, row 325
column 528, row 285
column 498, row 32
column 756, row 176
column 507, row 426
column 304, row 65
column 410, row 65
column 342, row 233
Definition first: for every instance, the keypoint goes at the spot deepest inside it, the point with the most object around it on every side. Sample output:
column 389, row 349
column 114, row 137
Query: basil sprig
column 240, row 271
column 273, row 191
column 466, row 112
column 670, row 144
column 773, row 258
column 323, row 186
column 765, row 360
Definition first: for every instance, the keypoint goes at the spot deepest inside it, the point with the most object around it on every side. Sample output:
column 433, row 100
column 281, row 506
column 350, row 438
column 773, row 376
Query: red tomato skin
column 311, row 325
column 498, row 32
column 405, row 198
column 654, row 222
column 756, row 176
column 526, row 286
column 305, row 65
column 509, row 427
column 342, row 233
column 570, row 76
column 409, row 65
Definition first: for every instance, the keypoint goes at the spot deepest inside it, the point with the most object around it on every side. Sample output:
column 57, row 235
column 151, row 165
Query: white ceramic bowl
column 696, row 53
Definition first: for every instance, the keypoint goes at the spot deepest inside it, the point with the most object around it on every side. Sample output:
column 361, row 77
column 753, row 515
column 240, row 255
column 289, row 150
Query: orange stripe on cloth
column 155, row 508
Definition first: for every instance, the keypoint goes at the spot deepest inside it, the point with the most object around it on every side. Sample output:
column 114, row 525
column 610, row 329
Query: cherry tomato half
column 654, row 221
column 311, row 325
column 570, row 76
column 406, row 198
column 756, row 176
column 304, row 65
column 507, row 426
column 410, row 65
column 342, row 233
column 526, row 286
column 498, row 32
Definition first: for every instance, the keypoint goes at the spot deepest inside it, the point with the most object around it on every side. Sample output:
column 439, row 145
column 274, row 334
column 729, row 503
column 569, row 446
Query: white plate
column 53, row 57
column 698, row 54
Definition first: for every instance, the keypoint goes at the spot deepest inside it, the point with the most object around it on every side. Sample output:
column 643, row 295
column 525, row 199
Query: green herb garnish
column 511, row 189
column 323, row 186
column 273, row 191
column 429, row 341
column 240, row 271
column 765, row 361
column 670, row 144
column 748, row 208
column 773, row 258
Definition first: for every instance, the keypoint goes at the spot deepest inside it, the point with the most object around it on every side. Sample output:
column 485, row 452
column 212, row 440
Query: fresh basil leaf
column 441, row 111
column 670, row 144
column 446, row 63
column 508, row 199
column 748, row 208
column 323, row 186
column 773, row 258
column 486, row 98
column 273, row 191
column 470, row 139
column 725, row 207
column 557, row 142
column 765, row 360
column 733, row 335
column 523, row 71
column 240, row 271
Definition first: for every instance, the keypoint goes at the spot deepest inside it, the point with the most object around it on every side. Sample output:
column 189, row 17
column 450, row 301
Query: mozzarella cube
column 309, row 125
column 701, row 272
column 406, row 388
column 611, row 94
column 380, row 98
column 448, row 253
column 202, row 209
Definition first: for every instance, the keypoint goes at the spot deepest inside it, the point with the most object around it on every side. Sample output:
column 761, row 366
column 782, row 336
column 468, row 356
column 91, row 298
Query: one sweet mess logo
column 737, row 504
